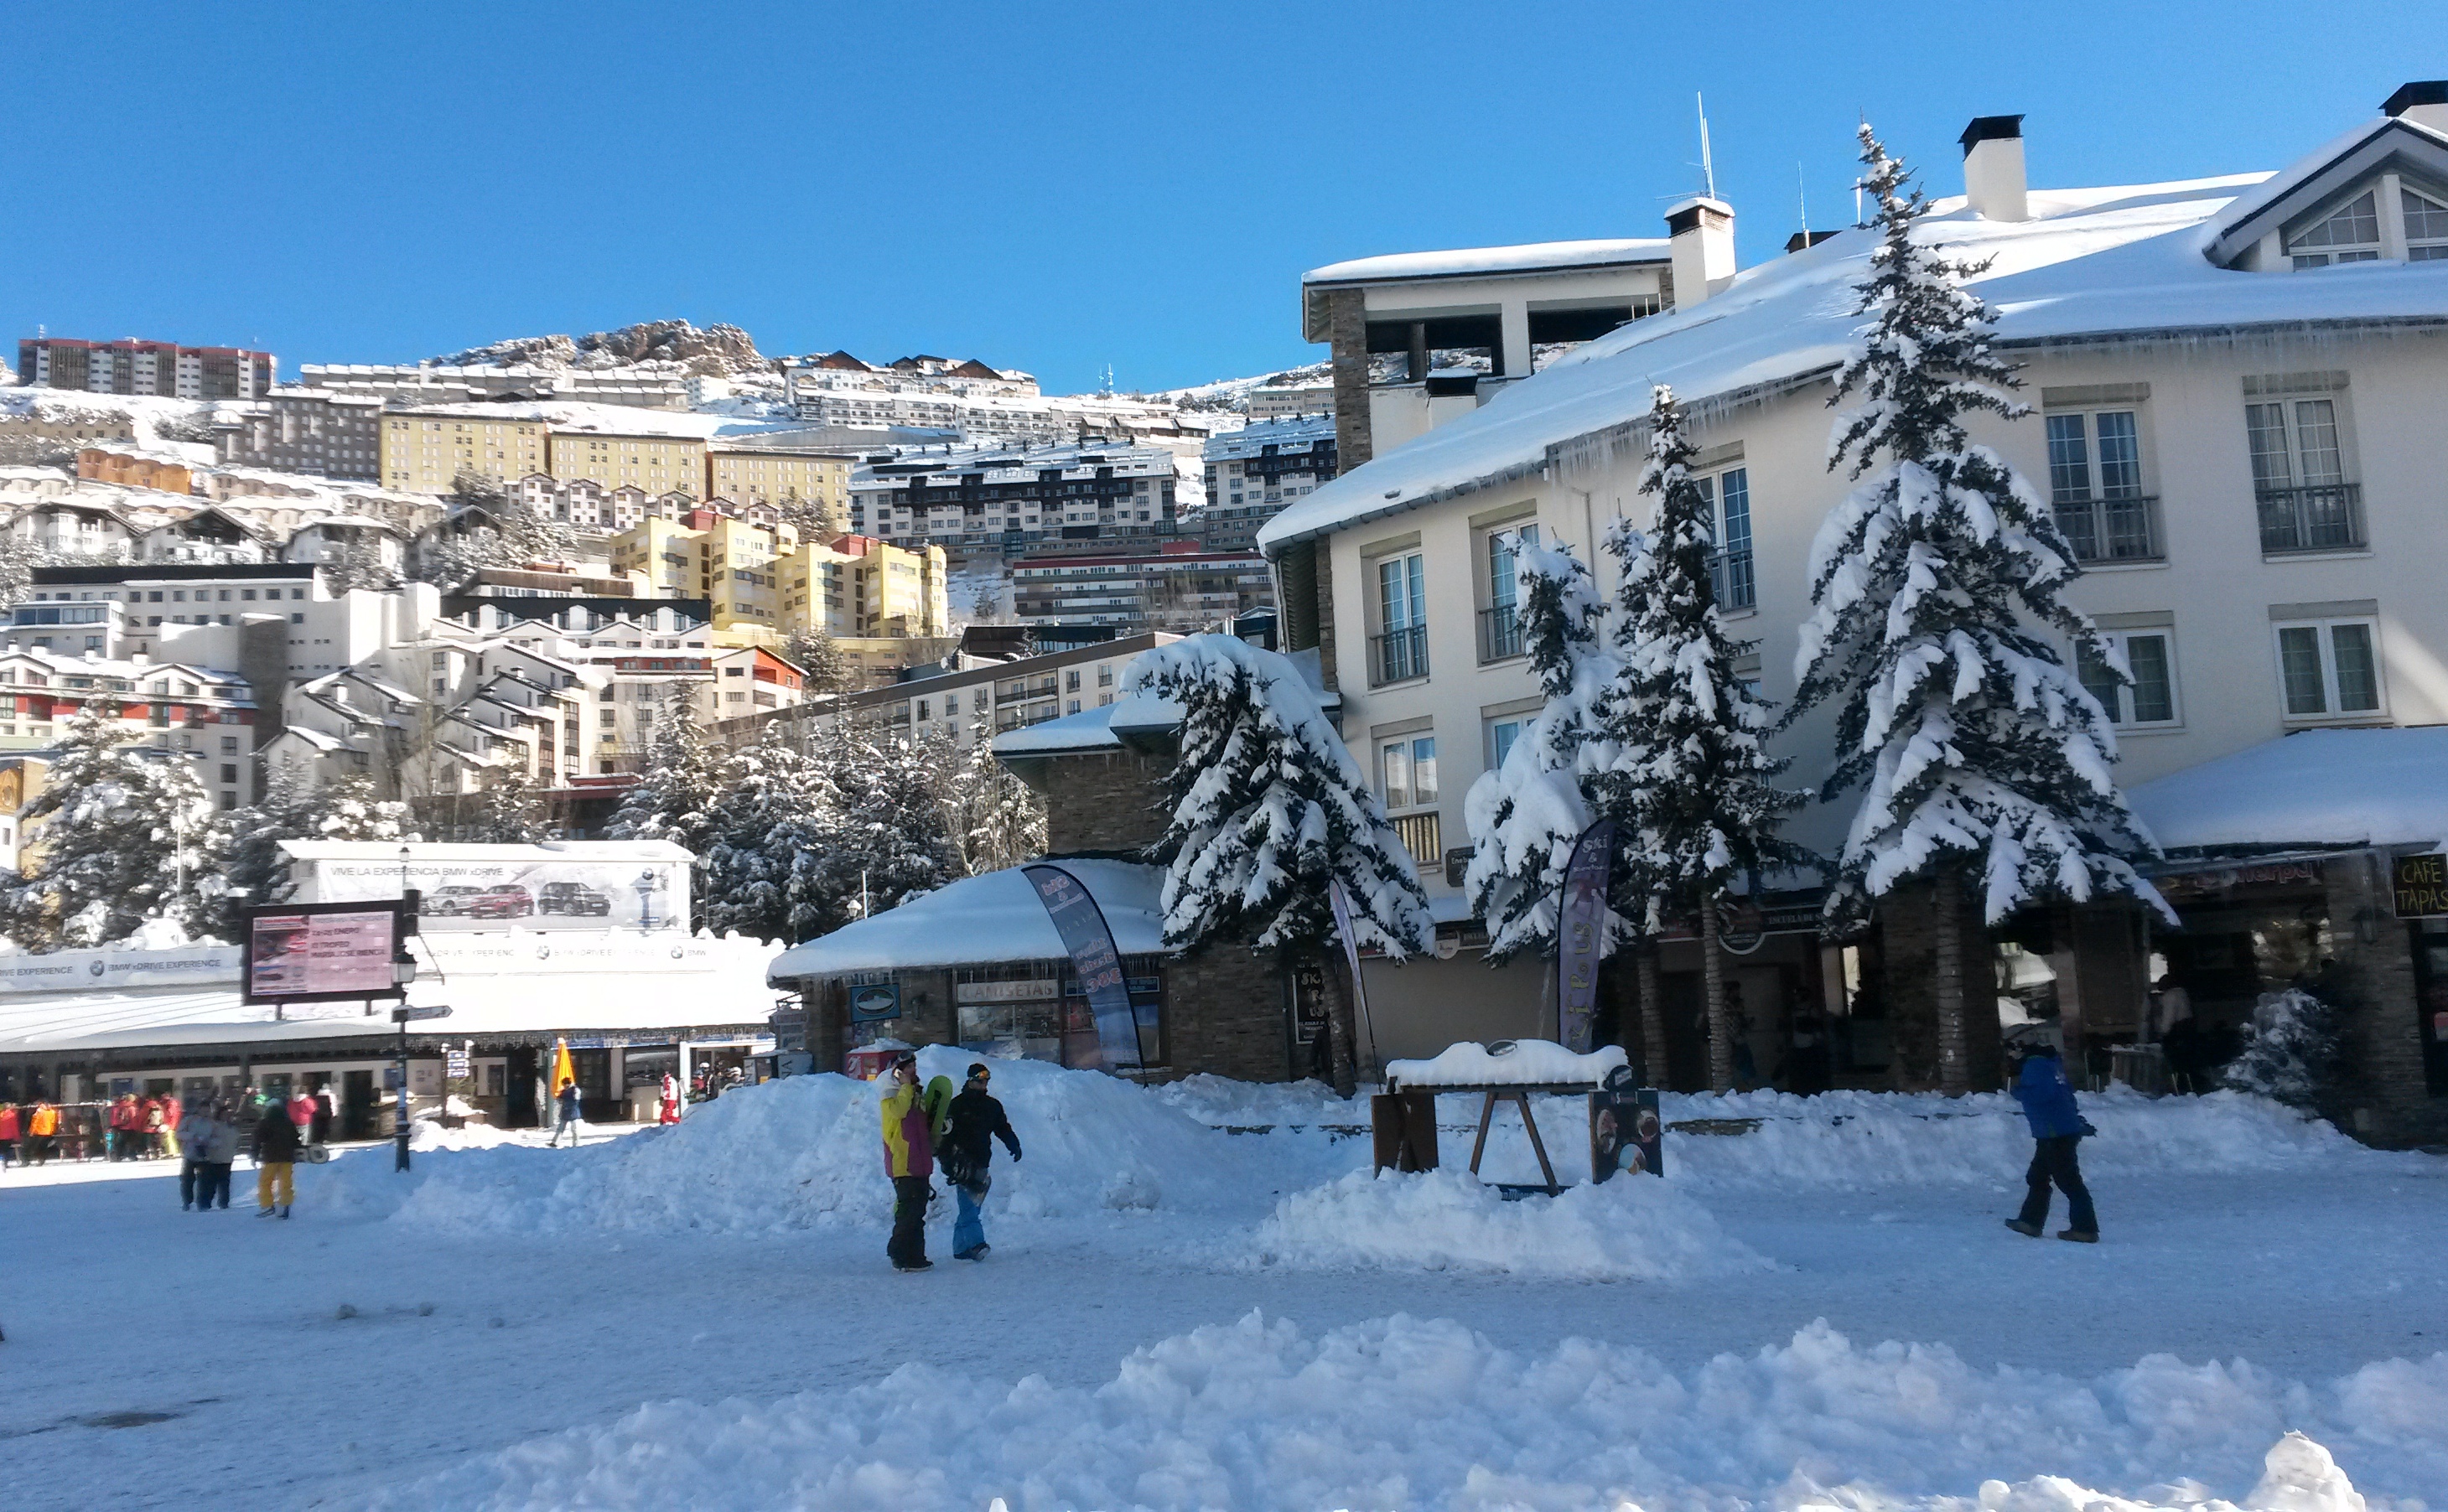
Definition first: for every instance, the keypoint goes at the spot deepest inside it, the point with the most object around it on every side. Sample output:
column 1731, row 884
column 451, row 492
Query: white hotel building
column 2237, row 385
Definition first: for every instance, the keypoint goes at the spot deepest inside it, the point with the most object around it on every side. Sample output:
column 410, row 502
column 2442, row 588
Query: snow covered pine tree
column 1977, row 749
column 1525, row 813
column 1689, row 763
column 775, row 805
column 128, row 835
column 291, row 809
column 677, row 798
column 1269, row 810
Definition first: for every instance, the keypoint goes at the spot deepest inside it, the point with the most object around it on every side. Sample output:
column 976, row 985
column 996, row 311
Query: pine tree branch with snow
column 676, row 799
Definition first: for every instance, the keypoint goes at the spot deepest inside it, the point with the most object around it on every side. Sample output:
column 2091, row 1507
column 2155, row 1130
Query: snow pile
column 1222, row 1103
column 1875, row 1138
column 1406, row 1412
column 1505, row 1064
column 1447, row 1220
column 804, row 1152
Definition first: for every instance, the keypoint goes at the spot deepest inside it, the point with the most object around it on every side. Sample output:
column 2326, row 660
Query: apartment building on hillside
column 659, row 463
column 750, row 472
column 1175, row 590
column 423, row 385
column 203, row 716
column 1252, row 473
column 973, row 702
column 424, row 450
column 1003, row 501
column 161, row 368
column 309, row 431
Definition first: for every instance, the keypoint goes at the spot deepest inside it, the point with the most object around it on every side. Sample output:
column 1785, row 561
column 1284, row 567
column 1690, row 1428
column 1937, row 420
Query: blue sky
column 1055, row 186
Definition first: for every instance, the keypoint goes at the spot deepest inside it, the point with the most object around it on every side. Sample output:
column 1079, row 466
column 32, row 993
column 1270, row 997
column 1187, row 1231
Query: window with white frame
column 2096, row 488
column 1731, row 571
column 2150, row 698
column 2348, row 234
column 2426, row 225
column 1501, row 621
column 2329, row 669
column 1501, row 734
column 1406, row 774
column 1402, row 618
column 2299, row 483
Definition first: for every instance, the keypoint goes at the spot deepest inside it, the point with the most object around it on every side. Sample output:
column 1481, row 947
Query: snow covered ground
column 1820, row 1311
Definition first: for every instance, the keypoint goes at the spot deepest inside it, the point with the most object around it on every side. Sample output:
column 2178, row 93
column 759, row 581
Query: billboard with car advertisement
column 576, row 884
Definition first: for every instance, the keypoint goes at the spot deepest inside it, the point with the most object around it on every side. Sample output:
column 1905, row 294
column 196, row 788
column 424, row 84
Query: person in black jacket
column 275, row 1152
column 976, row 1120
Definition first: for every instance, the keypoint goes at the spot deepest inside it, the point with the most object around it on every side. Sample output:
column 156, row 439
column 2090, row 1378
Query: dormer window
column 2426, row 227
column 2351, row 234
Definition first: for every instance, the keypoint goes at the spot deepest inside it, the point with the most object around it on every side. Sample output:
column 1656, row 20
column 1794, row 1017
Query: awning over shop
column 2313, row 789
column 983, row 920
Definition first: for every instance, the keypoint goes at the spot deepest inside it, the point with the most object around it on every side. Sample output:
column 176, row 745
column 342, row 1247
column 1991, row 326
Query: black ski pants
column 908, row 1245
column 2052, row 1160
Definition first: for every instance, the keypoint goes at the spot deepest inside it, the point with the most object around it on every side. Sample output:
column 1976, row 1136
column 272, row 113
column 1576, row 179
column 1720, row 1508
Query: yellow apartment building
column 764, row 475
column 657, row 464
column 858, row 588
column 734, row 565
column 423, row 450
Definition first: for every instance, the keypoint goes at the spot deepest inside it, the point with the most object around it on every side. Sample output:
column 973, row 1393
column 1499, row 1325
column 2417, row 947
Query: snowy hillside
column 1232, row 394
column 668, row 345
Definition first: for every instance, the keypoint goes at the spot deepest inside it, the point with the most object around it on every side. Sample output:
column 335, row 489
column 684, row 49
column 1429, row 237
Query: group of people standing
column 147, row 1126
column 209, row 1132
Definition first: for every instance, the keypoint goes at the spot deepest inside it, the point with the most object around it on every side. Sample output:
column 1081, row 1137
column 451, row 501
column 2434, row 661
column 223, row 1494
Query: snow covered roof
column 984, row 919
column 385, row 851
column 2313, row 789
column 1536, row 257
column 2129, row 260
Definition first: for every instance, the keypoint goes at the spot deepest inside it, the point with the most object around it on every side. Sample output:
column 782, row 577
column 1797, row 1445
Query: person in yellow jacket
column 909, row 1161
column 42, row 1131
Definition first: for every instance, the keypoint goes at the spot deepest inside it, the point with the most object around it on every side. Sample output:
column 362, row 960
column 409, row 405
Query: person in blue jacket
column 2058, row 1127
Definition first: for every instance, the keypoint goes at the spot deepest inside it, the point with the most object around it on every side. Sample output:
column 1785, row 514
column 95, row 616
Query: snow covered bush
column 2290, row 1050
column 1936, row 591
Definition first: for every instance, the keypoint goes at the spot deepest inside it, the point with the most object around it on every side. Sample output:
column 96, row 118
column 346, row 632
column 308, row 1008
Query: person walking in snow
column 976, row 1120
column 909, row 1161
column 2057, row 1126
column 668, row 1101
column 567, row 1100
column 275, row 1153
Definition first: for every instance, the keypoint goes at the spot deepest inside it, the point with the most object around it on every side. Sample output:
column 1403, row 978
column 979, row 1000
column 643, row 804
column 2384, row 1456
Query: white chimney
column 1993, row 168
column 2424, row 102
column 1700, row 236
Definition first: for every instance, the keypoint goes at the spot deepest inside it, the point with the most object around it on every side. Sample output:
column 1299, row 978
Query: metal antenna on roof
column 1802, row 194
column 1708, row 165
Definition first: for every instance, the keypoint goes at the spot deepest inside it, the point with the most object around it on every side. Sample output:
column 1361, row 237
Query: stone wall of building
column 1226, row 1015
column 1104, row 803
column 1346, row 328
column 1908, row 954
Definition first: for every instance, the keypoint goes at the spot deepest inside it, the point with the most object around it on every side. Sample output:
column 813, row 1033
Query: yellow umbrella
column 564, row 1071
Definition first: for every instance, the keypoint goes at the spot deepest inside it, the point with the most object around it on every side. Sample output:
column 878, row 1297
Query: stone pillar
column 1346, row 324
column 2382, row 1095
column 1908, row 964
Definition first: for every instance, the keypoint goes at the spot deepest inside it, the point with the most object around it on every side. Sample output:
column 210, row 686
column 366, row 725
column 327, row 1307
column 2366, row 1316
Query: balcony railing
column 1398, row 656
column 1421, row 837
column 1500, row 633
column 2111, row 530
column 2328, row 517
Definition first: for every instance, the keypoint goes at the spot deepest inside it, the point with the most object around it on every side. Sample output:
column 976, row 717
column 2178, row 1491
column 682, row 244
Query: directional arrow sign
column 406, row 1015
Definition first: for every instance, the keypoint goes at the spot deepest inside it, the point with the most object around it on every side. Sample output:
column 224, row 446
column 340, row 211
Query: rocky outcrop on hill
column 716, row 350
